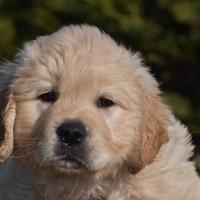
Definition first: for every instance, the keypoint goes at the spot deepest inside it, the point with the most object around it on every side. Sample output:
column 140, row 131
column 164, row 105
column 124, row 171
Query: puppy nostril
column 78, row 135
column 71, row 133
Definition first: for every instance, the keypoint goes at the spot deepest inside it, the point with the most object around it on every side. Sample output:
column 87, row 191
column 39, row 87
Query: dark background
column 166, row 32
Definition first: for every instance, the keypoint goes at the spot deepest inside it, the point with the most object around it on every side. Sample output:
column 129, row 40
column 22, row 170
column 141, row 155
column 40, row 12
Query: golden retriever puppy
column 83, row 120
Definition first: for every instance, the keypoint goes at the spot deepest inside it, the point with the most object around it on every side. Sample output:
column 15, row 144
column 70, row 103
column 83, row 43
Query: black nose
column 71, row 133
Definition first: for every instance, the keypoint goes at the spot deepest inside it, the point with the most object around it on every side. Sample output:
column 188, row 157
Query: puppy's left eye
column 104, row 102
column 49, row 97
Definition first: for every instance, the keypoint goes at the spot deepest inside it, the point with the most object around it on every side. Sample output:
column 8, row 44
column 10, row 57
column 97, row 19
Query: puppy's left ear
column 153, row 126
column 7, row 118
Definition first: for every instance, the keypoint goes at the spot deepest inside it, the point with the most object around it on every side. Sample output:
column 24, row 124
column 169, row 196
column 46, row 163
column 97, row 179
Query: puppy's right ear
column 7, row 118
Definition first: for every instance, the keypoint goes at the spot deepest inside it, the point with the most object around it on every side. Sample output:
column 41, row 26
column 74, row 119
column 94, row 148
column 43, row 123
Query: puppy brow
column 118, row 96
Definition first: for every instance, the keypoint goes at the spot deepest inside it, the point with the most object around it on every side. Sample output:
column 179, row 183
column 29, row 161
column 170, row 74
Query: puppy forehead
column 76, row 54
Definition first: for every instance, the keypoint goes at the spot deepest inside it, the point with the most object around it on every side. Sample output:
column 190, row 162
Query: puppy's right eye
column 48, row 97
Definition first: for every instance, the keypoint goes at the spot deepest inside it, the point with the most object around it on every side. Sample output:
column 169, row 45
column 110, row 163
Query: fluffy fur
column 134, row 149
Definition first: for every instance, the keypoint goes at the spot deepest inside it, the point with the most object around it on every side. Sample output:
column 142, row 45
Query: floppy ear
column 156, row 115
column 7, row 107
column 7, row 117
column 153, row 129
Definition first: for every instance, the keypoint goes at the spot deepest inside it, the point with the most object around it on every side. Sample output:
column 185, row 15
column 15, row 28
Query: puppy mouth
column 75, row 161
column 70, row 161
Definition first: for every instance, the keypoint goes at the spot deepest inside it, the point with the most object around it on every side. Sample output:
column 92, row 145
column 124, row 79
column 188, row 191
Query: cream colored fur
column 170, row 177
column 136, row 150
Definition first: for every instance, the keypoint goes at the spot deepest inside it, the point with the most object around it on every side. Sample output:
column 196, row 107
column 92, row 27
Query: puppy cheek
column 99, row 159
column 29, row 131
column 25, row 119
column 113, row 136
column 45, row 149
column 47, row 142
column 122, row 123
column 123, row 126
column 103, row 151
column 98, row 147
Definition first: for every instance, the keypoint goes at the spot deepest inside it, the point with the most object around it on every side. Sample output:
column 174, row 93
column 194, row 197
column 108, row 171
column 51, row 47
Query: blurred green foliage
column 166, row 32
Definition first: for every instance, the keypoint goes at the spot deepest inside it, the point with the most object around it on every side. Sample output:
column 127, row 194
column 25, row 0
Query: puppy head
column 83, row 103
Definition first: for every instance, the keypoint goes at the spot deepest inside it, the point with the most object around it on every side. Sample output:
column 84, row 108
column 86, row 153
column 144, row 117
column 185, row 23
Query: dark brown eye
column 49, row 97
column 103, row 102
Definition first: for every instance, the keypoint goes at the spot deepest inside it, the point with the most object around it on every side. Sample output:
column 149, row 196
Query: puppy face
column 83, row 103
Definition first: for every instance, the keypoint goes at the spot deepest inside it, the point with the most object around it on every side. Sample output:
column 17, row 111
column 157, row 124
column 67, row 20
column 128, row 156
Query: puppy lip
column 76, row 160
